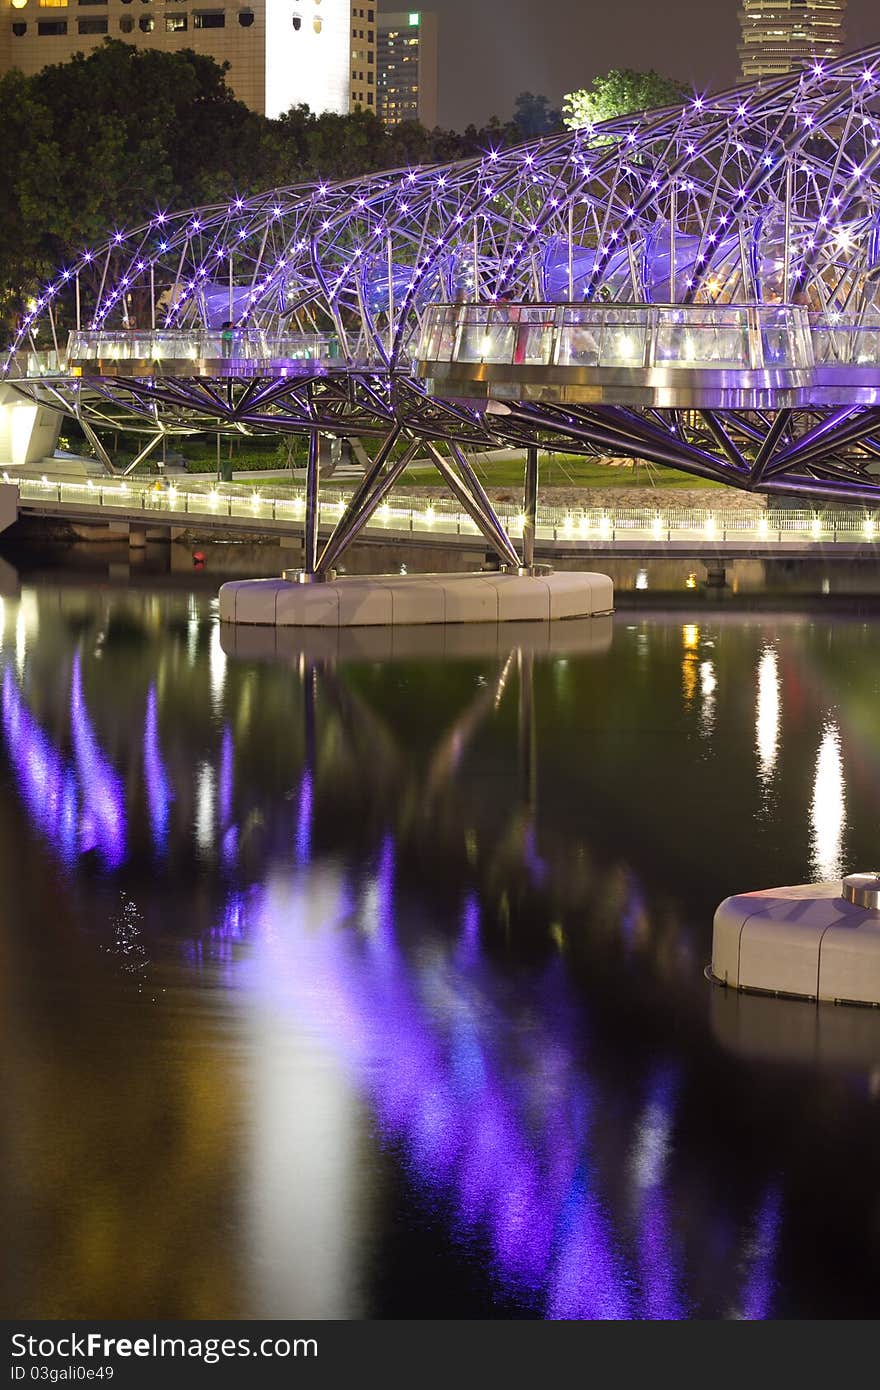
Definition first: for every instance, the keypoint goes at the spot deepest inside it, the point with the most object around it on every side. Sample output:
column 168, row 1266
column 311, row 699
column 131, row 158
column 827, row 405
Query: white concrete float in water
column 386, row 600
column 814, row 940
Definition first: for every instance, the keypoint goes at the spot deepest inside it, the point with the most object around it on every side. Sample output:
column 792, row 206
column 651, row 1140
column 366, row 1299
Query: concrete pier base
column 806, row 940
column 387, row 600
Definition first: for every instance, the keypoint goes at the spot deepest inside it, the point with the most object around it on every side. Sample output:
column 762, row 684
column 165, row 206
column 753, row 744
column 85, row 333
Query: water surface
column 365, row 978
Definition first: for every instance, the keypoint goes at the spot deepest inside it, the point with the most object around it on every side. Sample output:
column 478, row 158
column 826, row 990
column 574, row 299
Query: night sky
column 490, row 50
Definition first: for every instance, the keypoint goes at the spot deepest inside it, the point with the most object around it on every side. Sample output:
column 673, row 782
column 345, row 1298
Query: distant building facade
column 280, row 52
column 363, row 56
column 778, row 36
column 407, row 67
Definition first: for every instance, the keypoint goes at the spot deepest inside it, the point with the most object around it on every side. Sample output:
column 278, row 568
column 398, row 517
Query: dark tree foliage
column 101, row 141
column 534, row 116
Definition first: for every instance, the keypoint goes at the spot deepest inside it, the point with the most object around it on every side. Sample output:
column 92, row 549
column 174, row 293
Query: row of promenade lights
column 605, row 525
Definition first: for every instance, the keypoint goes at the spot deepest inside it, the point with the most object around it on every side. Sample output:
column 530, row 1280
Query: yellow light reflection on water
column 828, row 807
column 216, row 667
column 708, row 687
column 767, row 713
column 690, row 640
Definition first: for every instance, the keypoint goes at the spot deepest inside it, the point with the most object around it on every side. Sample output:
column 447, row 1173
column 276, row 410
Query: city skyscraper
column 363, row 56
column 778, row 36
column 407, row 67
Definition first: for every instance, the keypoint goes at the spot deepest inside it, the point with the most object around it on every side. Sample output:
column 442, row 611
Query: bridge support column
column 137, row 537
column 716, row 574
column 530, row 507
column 313, row 482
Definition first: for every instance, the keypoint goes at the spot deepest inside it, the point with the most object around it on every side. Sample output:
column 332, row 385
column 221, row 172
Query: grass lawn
column 565, row 470
column 555, row 471
column 262, row 452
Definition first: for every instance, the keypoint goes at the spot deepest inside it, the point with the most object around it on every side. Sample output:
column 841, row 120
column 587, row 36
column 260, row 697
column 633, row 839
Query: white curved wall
column 304, row 65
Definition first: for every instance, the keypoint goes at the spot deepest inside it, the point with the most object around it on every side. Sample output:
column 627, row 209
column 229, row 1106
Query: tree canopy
column 617, row 93
column 100, row 141
column 533, row 115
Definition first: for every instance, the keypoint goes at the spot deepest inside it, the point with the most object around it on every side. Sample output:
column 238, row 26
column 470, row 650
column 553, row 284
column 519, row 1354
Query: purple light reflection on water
column 159, row 792
column 468, row 948
column 303, row 833
column 536, row 866
column 47, row 783
column 658, row 1251
column 227, row 775
column 102, row 789
column 476, row 1081
column 586, row 1280
column 482, row 1091
column 756, row 1299
column 380, row 905
column 229, row 846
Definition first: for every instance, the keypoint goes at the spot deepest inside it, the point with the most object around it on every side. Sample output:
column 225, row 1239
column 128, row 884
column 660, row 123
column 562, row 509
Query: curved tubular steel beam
column 768, row 446
column 838, row 428
column 723, row 440
column 641, row 448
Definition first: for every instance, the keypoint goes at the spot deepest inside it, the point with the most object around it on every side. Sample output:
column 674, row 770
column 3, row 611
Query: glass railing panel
column 484, row 337
column 866, row 347
column 579, row 334
column 838, row 343
column 534, row 336
column 623, row 337
column 703, row 336
column 176, row 344
column 439, row 335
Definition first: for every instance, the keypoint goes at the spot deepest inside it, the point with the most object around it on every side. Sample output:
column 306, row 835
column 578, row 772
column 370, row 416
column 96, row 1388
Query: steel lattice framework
column 760, row 196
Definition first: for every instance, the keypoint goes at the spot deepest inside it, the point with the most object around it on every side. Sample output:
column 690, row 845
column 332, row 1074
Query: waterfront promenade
column 561, row 532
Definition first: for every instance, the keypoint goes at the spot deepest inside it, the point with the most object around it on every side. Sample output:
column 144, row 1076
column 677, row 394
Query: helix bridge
column 695, row 286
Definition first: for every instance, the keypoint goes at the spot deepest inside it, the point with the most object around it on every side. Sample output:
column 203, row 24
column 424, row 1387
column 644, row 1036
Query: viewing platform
column 723, row 356
column 195, row 352
column 733, row 356
column 663, row 356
